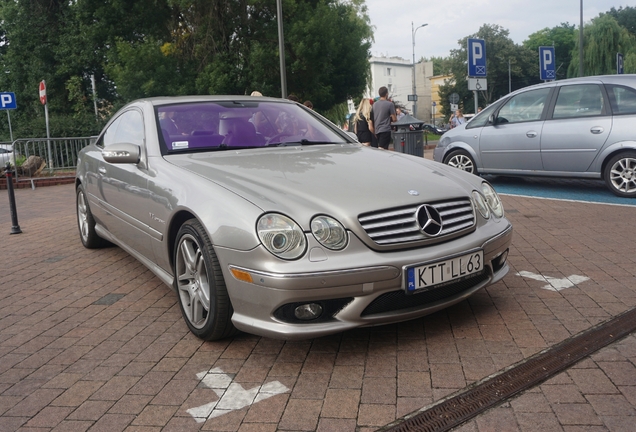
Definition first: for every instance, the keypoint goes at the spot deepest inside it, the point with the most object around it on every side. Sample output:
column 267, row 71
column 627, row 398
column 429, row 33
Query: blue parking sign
column 619, row 63
column 7, row 101
column 476, row 57
column 547, row 61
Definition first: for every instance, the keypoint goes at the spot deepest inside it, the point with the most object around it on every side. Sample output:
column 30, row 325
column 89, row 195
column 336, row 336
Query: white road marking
column 232, row 396
column 555, row 284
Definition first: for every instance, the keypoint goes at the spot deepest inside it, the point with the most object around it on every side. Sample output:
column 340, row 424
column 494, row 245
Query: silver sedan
column 265, row 217
column 580, row 127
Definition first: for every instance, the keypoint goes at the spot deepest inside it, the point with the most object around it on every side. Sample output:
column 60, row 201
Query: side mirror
column 492, row 119
column 354, row 136
column 122, row 153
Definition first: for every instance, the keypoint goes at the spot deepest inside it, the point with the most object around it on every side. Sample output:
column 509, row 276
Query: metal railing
column 58, row 153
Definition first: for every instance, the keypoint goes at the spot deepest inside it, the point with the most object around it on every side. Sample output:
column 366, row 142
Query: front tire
column 199, row 283
column 86, row 222
column 620, row 174
column 462, row 160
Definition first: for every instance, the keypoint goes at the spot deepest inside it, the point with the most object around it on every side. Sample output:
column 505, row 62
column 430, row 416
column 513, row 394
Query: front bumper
column 373, row 289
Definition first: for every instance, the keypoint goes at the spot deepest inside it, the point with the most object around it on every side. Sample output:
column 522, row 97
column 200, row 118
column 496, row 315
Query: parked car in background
column 6, row 155
column 580, row 127
column 265, row 217
column 433, row 129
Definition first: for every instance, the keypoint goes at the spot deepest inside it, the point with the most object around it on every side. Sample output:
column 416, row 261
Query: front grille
column 398, row 300
column 400, row 225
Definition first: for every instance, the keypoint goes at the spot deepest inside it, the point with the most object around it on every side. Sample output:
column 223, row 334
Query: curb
column 37, row 182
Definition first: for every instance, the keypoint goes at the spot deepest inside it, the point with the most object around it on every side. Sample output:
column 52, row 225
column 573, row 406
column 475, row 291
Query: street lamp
column 581, row 43
column 413, row 31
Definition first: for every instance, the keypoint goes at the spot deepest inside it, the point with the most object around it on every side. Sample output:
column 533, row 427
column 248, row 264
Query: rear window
column 579, row 100
column 622, row 99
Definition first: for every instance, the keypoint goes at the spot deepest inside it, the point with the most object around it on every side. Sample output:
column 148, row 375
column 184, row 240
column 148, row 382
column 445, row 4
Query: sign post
column 547, row 63
column 44, row 101
column 8, row 102
column 619, row 64
column 476, row 63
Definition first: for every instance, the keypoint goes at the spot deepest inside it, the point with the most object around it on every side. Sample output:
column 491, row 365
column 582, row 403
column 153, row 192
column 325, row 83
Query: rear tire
column 462, row 160
column 86, row 223
column 620, row 174
column 199, row 283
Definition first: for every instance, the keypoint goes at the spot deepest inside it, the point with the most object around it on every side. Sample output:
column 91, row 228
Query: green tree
column 138, row 48
column 602, row 39
column 626, row 17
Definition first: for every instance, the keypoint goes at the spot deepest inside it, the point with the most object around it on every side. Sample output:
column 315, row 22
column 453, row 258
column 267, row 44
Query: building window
column 388, row 71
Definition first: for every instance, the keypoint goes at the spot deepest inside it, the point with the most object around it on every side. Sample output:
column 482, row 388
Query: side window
column 482, row 118
column 131, row 128
column 581, row 100
column 109, row 135
column 526, row 106
column 622, row 99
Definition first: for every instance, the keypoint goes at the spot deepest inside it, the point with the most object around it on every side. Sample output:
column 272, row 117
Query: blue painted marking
column 567, row 189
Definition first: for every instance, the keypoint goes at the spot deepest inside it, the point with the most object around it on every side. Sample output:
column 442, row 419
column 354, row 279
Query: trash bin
column 408, row 136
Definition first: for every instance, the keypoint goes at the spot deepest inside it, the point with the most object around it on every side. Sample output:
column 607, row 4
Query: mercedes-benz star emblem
column 430, row 220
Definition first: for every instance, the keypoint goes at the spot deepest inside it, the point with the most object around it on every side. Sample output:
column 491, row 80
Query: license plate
column 429, row 275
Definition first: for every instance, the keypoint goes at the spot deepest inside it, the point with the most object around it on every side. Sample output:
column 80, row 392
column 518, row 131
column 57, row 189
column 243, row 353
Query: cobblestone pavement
column 91, row 340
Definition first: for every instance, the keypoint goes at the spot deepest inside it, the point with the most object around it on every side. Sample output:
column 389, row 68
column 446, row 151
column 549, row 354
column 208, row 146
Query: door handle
column 531, row 134
column 102, row 170
column 597, row 130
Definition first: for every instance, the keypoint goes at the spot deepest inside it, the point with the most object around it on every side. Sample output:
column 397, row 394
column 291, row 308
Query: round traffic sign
column 453, row 98
column 43, row 92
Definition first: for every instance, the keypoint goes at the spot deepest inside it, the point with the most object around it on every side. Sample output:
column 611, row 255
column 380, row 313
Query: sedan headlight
column 281, row 236
column 495, row 204
column 481, row 205
column 329, row 232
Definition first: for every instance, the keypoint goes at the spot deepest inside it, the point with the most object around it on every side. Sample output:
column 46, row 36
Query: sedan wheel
column 86, row 223
column 462, row 160
column 200, row 285
column 620, row 174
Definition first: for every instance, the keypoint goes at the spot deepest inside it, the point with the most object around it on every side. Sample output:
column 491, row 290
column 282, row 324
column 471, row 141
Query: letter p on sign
column 6, row 100
column 477, row 54
column 547, row 59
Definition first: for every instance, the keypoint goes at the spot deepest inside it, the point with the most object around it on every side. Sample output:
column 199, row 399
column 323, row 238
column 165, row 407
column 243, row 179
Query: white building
column 396, row 74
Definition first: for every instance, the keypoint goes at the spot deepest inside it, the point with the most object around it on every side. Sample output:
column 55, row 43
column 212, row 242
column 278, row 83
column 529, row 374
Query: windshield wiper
column 301, row 142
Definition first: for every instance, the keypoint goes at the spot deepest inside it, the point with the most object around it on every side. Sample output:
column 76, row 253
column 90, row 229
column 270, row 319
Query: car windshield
column 204, row 126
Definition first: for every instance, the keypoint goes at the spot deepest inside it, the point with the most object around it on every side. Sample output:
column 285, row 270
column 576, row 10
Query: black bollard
column 15, row 229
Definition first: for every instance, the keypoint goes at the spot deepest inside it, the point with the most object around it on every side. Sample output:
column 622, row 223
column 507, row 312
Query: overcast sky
column 451, row 20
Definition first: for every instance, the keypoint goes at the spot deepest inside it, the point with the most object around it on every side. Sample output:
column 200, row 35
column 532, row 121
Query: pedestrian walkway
column 91, row 341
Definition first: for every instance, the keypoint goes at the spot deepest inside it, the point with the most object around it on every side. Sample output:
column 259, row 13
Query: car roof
column 170, row 100
column 629, row 79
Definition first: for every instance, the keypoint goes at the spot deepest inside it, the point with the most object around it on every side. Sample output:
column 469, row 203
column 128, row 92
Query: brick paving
column 70, row 362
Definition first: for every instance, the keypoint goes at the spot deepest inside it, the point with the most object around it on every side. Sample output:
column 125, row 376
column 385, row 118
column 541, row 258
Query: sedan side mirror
column 491, row 119
column 352, row 135
column 122, row 153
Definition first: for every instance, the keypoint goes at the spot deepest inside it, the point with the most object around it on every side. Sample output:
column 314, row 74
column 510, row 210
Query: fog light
column 308, row 311
column 503, row 257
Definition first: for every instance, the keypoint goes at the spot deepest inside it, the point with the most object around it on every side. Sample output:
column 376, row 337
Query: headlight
column 329, row 232
column 493, row 200
column 281, row 236
column 481, row 205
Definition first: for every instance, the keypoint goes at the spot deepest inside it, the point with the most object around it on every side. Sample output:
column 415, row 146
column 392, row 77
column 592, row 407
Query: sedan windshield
column 204, row 126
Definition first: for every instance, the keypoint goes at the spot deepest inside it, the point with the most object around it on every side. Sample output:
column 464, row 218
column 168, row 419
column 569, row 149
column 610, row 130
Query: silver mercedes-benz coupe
column 265, row 217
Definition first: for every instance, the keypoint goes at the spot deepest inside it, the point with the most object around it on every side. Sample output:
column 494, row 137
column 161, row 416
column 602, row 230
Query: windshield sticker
column 179, row 144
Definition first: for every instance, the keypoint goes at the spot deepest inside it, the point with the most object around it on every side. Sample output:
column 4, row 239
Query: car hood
column 340, row 180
